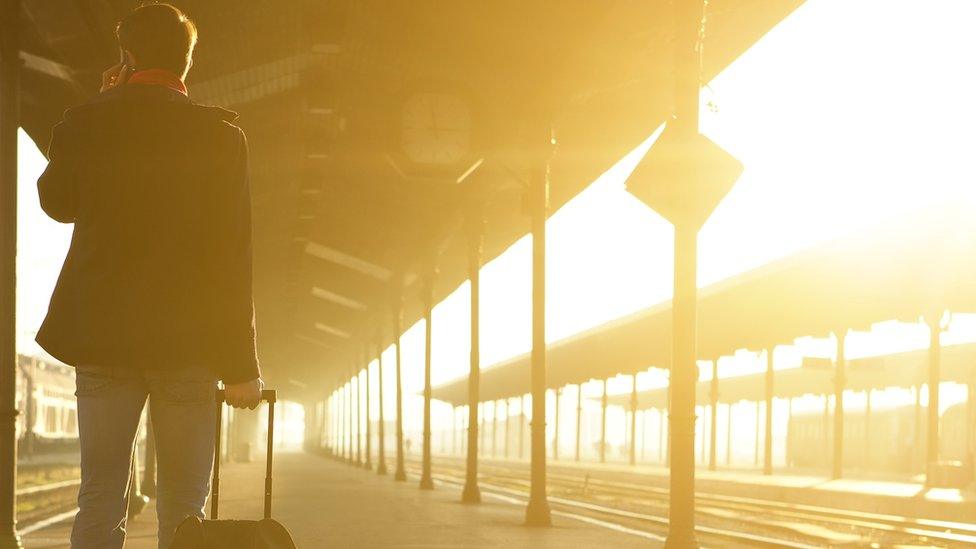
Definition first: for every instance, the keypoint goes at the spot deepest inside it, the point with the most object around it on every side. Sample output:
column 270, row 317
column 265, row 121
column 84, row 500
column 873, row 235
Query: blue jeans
column 110, row 404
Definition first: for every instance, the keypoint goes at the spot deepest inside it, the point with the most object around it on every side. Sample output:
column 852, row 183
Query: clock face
column 435, row 128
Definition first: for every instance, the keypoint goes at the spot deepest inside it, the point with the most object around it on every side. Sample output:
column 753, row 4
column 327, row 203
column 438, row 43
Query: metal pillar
column 935, row 381
column 349, row 420
column 508, row 423
column 970, row 421
column 482, row 413
column 713, row 432
column 381, row 435
column 359, row 422
column 522, row 420
column 579, row 417
column 826, row 428
column 840, row 383
column 667, row 439
column 918, row 426
column 369, row 428
column 768, row 430
column 603, row 424
column 728, row 437
column 789, row 432
column 537, row 199
column 643, row 433
column 475, row 229
column 9, row 121
column 494, row 428
column 756, row 451
column 426, row 480
column 633, row 421
column 703, row 448
column 867, row 430
column 401, row 473
column 555, row 431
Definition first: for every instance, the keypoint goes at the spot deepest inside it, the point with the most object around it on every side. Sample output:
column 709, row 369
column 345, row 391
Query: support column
column 537, row 199
column 935, row 381
column 494, row 428
column 826, row 429
column 768, row 431
column 840, row 383
column 643, row 433
column 359, row 422
column 667, row 439
column 756, row 451
column 381, row 434
column 9, row 121
column 603, row 424
column 475, row 229
column 789, row 432
column 522, row 421
column 555, row 432
column 633, row 421
column 426, row 480
column 508, row 423
column 401, row 473
column 579, row 417
column 916, row 448
column 713, row 433
column 867, row 430
column 728, row 437
column 703, row 448
column 369, row 429
column 971, row 423
column 349, row 421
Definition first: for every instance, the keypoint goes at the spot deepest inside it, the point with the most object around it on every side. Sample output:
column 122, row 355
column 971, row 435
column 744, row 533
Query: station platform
column 325, row 503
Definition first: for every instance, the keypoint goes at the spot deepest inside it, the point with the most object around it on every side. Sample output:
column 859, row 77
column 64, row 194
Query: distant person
column 154, row 299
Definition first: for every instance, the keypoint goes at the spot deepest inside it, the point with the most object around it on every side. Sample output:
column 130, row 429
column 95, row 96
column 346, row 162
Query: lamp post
column 683, row 177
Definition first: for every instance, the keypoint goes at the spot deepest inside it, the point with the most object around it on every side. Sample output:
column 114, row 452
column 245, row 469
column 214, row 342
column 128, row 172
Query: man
column 154, row 299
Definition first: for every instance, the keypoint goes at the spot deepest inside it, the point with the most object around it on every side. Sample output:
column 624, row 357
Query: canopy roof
column 816, row 377
column 921, row 263
column 320, row 87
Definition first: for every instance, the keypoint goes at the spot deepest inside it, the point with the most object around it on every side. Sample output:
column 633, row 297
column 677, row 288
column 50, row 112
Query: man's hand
column 244, row 395
column 115, row 76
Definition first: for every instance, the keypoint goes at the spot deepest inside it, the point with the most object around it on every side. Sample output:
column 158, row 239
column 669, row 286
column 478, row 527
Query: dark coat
column 159, row 270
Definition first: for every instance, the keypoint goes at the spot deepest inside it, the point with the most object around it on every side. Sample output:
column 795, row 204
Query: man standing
column 154, row 298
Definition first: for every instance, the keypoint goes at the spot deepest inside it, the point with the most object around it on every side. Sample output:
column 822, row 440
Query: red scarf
column 158, row 77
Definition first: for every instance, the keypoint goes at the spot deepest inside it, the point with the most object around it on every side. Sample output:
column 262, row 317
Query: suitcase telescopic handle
column 271, row 396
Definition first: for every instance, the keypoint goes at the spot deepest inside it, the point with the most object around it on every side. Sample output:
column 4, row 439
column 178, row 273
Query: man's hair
column 160, row 36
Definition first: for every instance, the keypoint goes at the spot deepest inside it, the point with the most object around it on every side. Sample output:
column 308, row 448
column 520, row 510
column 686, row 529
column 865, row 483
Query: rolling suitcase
column 212, row 533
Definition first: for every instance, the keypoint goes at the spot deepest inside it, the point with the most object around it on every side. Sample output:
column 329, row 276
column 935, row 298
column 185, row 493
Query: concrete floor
column 328, row 504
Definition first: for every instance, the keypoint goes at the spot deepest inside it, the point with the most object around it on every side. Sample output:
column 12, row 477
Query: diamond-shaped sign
column 684, row 176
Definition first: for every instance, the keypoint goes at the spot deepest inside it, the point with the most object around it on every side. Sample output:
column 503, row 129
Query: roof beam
column 341, row 300
column 348, row 261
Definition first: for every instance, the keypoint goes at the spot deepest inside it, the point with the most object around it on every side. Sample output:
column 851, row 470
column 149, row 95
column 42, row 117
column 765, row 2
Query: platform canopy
column 343, row 213
column 919, row 264
column 816, row 377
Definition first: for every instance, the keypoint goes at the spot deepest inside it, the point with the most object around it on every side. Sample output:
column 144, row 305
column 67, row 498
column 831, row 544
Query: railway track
column 727, row 519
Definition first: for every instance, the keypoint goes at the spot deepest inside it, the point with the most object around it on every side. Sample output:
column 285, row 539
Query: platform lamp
column 683, row 177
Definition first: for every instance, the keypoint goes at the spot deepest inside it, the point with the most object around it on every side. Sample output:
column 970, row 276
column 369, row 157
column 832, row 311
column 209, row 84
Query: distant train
column 895, row 442
column 48, row 419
